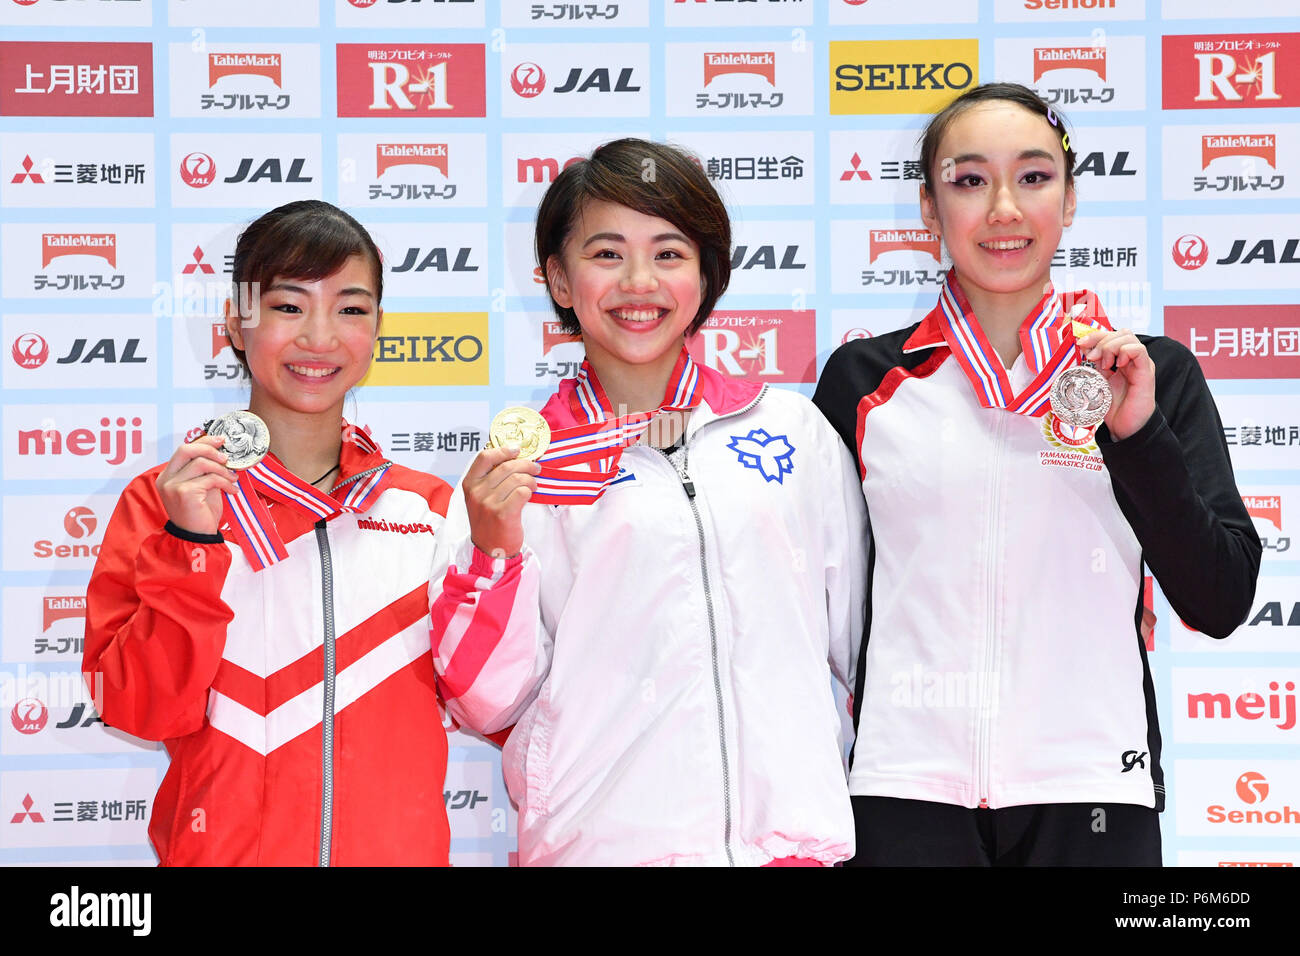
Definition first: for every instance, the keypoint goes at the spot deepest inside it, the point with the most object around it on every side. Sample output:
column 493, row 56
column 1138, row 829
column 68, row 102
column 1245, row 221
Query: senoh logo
column 30, row 350
column 244, row 64
column 1233, row 71
column 1091, row 58
column 1262, row 145
column 411, row 79
column 198, row 170
column 1278, row 705
column 1190, row 252
column 1252, row 787
column 900, row 76
column 29, row 715
column 55, row 244
column 897, row 240
column 758, row 64
column 80, row 522
column 388, row 155
column 528, row 80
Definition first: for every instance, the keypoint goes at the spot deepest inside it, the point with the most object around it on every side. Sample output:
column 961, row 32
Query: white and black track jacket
column 1002, row 662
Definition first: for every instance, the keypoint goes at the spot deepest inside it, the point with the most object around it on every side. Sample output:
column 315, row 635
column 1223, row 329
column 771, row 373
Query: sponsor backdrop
column 137, row 136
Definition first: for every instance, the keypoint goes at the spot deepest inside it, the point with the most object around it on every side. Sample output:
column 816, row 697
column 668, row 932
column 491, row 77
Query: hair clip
column 1065, row 136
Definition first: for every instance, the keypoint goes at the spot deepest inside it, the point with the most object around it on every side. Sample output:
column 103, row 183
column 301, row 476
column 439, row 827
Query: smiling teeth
column 1003, row 244
column 638, row 315
column 312, row 372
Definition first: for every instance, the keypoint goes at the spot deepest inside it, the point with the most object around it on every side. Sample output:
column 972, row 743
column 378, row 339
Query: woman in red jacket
column 270, row 623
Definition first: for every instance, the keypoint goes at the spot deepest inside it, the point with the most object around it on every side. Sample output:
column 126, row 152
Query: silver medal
column 1081, row 396
column 247, row 438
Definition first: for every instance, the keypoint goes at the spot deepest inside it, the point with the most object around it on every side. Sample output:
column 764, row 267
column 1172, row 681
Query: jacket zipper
column 327, row 715
column 987, row 685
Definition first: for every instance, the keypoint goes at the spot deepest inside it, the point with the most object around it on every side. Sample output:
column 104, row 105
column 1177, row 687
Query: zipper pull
column 688, row 484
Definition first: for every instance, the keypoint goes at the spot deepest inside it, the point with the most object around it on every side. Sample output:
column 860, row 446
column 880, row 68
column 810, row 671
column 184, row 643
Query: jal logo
column 30, row 350
column 197, row 265
column 80, row 522
column 55, row 244
column 759, row 64
column 25, row 3
column 60, row 607
column 363, row 4
column 852, row 335
column 900, row 240
column 108, row 441
column 528, row 80
column 1091, row 58
column 410, row 79
column 1261, row 145
column 104, row 350
column 1190, row 252
column 855, row 170
column 765, row 257
column 536, row 169
column 1252, row 787
column 598, row 81
column 25, row 174
column 1263, row 250
column 437, row 258
column 243, row 64
column 388, row 155
column 268, row 170
column 1278, row 704
column 1266, row 507
column 1270, row 613
column 29, row 716
column 198, row 170
column 1095, row 164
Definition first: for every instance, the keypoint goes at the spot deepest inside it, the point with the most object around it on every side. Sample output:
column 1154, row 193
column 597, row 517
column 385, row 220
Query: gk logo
column 1132, row 758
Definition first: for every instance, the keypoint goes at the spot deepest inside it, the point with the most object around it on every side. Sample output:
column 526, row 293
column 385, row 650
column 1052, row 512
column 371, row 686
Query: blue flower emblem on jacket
column 769, row 454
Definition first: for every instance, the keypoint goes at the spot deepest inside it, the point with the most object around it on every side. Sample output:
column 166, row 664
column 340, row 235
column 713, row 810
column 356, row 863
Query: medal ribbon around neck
column 269, row 479
column 582, row 461
column 1049, row 345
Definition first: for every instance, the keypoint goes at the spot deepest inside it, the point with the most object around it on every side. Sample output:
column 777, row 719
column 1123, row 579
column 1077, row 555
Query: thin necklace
column 326, row 475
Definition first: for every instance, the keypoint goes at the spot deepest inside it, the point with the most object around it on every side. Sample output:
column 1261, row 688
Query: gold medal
column 522, row 428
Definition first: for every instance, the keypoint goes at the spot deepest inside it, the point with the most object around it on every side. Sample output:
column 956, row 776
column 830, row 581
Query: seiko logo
column 764, row 257
column 428, row 348
column 410, row 154
column 902, row 76
column 598, row 80
column 112, row 443
column 269, row 170
column 253, row 64
column 55, row 244
column 760, row 64
column 896, row 240
column 1070, row 58
column 1263, row 145
column 1261, row 251
column 1248, row 706
column 436, row 258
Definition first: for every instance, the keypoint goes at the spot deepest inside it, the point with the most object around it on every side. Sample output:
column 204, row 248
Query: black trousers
column 895, row 832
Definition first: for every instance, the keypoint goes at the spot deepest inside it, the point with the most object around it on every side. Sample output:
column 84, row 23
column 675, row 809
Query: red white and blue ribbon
column 269, row 479
column 582, row 461
column 1046, row 336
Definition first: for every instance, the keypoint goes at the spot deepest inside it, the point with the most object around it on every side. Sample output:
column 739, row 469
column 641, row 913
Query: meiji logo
column 111, row 443
column 759, row 64
column 540, row 170
column 1267, row 507
column 250, row 64
column 1070, row 58
column 198, row 170
column 26, row 173
column 1190, row 252
column 29, row 716
column 553, row 334
column 855, row 170
column 220, row 338
column 1263, row 145
column 30, row 350
column 897, row 240
column 55, row 244
column 1248, row 706
column 80, row 522
column 410, row 154
column 198, row 265
column 528, row 80
column 369, row 524
column 57, row 608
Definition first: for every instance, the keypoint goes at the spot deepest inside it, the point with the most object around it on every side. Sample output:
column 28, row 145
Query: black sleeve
column 1174, row 483
column 855, row 370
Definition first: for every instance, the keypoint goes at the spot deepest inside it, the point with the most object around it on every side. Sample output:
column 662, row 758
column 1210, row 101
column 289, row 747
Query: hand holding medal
column 502, row 479
column 1130, row 376
column 192, row 483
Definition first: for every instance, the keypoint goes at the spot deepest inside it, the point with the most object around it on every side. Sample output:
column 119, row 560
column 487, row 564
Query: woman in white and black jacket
column 1004, row 706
